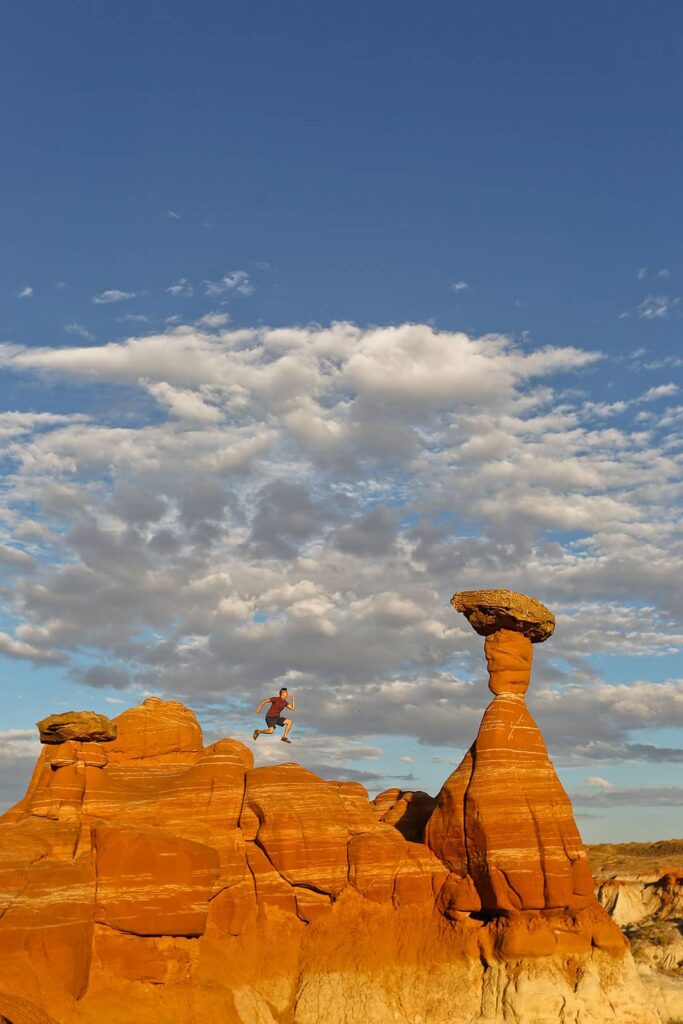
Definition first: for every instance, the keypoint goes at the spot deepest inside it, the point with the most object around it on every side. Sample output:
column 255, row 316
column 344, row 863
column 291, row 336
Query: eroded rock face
column 503, row 823
column 83, row 726
column 406, row 810
column 21, row 1011
column 152, row 878
column 641, row 885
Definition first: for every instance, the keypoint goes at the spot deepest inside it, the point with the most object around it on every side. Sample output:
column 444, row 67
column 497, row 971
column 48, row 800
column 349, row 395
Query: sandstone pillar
column 503, row 822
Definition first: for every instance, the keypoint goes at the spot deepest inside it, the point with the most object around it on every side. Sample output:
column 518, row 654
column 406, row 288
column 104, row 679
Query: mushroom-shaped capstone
column 487, row 611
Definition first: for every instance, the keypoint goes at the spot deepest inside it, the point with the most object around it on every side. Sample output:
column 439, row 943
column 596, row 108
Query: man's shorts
column 277, row 720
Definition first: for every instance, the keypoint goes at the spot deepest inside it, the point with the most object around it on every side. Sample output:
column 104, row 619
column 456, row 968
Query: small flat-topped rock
column 490, row 610
column 84, row 726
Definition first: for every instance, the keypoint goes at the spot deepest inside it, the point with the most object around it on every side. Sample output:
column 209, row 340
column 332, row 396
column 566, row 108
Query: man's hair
column 283, row 689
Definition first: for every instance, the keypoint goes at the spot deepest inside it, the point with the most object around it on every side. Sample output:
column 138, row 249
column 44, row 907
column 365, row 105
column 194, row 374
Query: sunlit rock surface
column 76, row 725
column 503, row 823
column 152, row 879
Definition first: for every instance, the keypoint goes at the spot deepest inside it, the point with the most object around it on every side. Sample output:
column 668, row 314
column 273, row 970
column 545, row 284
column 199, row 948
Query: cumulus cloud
column 13, row 648
column 185, row 403
column 460, row 286
column 18, row 743
column 14, row 557
column 214, row 319
column 300, row 503
column 25, row 293
column 597, row 782
column 13, row 424
column 661, row 391
column 112, row 295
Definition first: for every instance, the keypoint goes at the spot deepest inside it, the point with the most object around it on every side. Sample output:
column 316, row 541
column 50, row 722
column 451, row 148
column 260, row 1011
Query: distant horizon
column 312, row 318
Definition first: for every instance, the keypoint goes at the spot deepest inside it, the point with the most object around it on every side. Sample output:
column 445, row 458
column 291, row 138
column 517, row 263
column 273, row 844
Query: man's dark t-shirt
column 276, row 706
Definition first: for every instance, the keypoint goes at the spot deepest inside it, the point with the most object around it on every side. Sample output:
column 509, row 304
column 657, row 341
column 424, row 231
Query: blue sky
column 490, row 193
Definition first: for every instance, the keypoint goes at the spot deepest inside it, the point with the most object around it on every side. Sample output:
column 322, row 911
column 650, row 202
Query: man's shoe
column 256, row 734
column 285, row 740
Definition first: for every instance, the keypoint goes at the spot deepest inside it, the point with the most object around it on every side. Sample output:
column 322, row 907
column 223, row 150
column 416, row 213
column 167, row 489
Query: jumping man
column 273, row 715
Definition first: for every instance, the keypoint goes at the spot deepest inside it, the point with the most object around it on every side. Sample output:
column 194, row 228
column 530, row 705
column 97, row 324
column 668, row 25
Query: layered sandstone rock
column 21, row 1011
column 151, row 878
column 503, row 823
column 407, row 811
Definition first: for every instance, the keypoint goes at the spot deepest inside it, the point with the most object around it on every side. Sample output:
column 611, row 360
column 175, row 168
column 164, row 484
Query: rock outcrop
column 151, row 878
column 507, row 777
column 83, row 726
column 641, row 886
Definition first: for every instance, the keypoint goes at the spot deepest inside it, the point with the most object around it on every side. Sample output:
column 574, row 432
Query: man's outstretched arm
column 291, row 704
column 262, row 704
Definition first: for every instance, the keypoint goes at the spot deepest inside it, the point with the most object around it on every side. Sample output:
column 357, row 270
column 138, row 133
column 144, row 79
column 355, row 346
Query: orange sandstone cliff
column 148, row 879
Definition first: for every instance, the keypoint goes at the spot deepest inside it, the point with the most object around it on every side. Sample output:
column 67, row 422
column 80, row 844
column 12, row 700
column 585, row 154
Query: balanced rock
column 76, row 725
column 490, row 610
column 503, row 823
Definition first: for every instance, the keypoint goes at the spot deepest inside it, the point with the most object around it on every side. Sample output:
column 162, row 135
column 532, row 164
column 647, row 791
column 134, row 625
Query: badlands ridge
column 148, row 879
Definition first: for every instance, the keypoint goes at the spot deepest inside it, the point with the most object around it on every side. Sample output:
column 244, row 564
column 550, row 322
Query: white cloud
column 658, row 307
column 460, row 286
column 13, row 424
column 416, row 364
column 13, row 648
column 25, row 293
column 661, row 391
column 664, row 272
column 112, row 295
column 80, row 330
column 641, row 274
column 212, row 320
column 299, row 503
column 184, row 403
column 182, row 288
column 635, row 796
column 173, row 215
column 659, row 364
column 237, row 282
column 597, row 782
column 12, row 556
column 19, row 743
